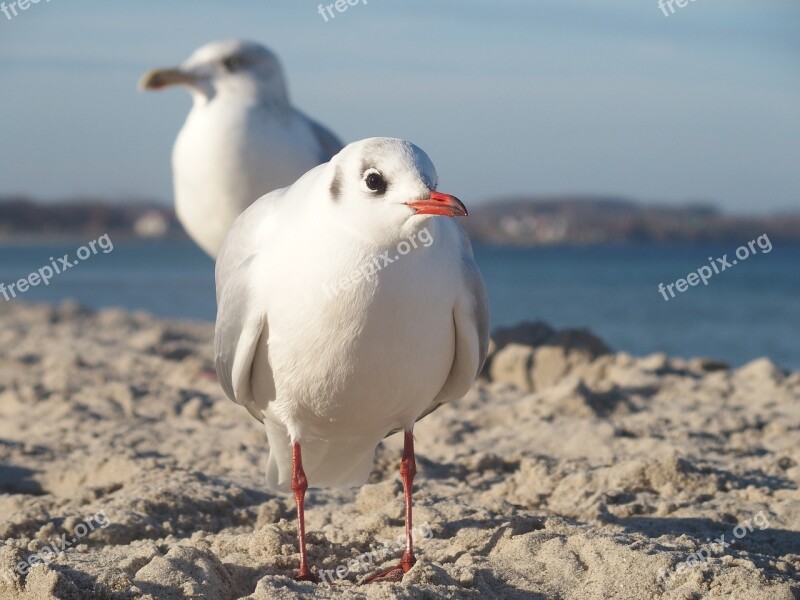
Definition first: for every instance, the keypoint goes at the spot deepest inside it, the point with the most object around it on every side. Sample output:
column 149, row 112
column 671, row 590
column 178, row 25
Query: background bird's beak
column 161, row 78
column 439, row 204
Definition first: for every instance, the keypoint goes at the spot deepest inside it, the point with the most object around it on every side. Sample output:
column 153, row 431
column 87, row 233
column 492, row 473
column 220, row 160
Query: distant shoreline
column 523, row 222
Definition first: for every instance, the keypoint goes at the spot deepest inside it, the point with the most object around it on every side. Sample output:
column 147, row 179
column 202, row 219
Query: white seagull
column 348, row 310
column 242, row 138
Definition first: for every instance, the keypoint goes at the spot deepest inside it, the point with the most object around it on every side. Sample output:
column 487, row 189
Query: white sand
column 610, row 472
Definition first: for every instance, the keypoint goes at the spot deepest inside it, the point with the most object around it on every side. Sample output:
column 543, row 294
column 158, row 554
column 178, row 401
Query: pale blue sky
column 510, row 97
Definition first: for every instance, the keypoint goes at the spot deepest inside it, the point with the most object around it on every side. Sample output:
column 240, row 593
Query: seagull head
column 391, row 180
column 236, row 68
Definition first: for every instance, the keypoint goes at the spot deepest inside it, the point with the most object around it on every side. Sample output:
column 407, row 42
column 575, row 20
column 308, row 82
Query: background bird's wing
column 329, row 144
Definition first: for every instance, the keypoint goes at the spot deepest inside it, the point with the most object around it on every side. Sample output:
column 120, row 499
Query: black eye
column 233, row 63
column 376, row 183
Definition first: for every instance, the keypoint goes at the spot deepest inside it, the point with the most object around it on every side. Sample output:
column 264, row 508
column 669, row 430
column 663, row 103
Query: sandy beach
column 570, row 471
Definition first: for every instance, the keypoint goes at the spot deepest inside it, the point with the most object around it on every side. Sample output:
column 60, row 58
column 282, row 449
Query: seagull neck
column 275, row 103
column 277, row 106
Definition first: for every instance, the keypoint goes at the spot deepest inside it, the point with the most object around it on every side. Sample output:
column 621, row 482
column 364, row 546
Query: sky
column 508, row 97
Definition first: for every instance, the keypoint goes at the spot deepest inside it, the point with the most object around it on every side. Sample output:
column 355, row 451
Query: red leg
column 299, row 487
column 408, row 468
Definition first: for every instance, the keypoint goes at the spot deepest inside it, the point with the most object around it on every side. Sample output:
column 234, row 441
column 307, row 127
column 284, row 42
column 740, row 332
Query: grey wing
column 240, row 329
column 329, row 144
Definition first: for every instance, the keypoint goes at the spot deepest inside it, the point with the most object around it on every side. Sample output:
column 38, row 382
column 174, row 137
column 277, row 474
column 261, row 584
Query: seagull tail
column 327, row 463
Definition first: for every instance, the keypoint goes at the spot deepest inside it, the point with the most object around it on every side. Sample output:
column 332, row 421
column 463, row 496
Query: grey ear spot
column 336, row 185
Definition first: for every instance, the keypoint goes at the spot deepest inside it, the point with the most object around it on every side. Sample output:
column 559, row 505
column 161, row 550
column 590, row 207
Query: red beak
column 439, row 204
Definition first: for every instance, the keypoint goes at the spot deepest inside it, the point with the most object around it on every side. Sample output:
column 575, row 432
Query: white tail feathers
column 327, row 463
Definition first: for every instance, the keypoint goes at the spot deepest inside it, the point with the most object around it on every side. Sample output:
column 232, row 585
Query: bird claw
column 307, row 577
column 395, row 574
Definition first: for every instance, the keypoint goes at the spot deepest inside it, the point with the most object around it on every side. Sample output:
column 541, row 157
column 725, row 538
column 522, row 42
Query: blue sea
column 749, row 310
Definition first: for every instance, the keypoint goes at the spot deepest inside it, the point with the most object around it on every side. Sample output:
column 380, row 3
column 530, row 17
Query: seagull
column 349, row 307
column 242, row 138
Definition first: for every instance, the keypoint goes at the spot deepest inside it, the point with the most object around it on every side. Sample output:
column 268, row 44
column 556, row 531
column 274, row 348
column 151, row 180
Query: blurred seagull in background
column 331, row 374
column 242, row 138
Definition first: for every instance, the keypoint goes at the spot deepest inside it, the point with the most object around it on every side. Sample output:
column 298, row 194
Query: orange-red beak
column 444, row 205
